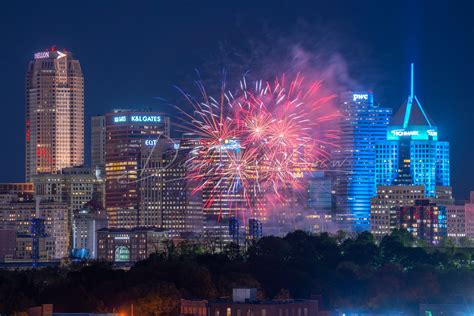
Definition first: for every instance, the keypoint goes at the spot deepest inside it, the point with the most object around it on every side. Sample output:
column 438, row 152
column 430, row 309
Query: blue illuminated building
column 319, row 191
column 255, row 231
column 412, row 153
column 363, row 125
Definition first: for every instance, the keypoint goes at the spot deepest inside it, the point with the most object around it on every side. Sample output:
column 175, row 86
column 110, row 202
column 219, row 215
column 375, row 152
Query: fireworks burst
column 258, row 141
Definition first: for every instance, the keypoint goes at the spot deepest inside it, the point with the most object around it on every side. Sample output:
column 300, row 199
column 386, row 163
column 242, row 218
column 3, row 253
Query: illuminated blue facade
column 412, row 153
column 363, row 125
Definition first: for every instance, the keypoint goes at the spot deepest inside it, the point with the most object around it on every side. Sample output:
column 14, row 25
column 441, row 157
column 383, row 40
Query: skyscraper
column 363, row 125
column 411, row 153
column 98, row 142
column 54, row 113
column 182, row 208
column 223, row 203
column 410, row 164
column 128, row 169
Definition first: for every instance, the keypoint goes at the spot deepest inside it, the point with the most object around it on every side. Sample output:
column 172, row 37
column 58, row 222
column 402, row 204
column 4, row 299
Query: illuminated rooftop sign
column 42, row 55
column 360, row 97
column 402, row 132
column 412, row 132
column 120, row 119
column 146, row 118
column 137, row 119
column 151, row 142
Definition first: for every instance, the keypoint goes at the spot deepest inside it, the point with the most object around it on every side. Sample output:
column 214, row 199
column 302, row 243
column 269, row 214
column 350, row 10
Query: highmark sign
column 412, row 132
column 137, row 119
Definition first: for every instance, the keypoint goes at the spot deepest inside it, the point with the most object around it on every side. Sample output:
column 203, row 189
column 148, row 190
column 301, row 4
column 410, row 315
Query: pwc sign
column 360, row 97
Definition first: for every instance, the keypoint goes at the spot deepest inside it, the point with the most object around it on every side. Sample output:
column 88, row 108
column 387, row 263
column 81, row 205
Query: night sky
column 134, row 53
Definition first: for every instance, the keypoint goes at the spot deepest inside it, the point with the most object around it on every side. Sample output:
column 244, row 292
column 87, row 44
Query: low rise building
column 425, row 220
column 7, row 243
column 383, row 207
column 244, row 302
column 456, row 221
column 47, row 310
column 85, row 224
column 25, row 248
column 469, row 216
column 120, row 245
column 18, row 215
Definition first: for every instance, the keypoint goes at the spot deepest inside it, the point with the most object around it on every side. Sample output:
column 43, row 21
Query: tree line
column 355, row 272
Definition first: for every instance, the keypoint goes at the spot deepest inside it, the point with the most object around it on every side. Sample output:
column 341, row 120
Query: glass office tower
column 412, row 153
column 362, row 126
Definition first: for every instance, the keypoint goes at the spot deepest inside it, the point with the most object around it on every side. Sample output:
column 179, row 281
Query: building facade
column 85, row 224
column 319, row 190
column 18, row 215
column 412, row 153
column 182, row 205
column 363, row 124
column 424, row 220
column 75, row 186
column 469, row 217
column 98, row 142
column 244, row 302
column 383, row 207
column 10, row 192
column 456, row 221
column 54, row 113
column 26, row 244
column 7, row 243
column 127, row 133
column 129, row 245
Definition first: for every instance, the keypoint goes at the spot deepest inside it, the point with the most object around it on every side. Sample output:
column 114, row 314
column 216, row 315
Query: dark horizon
column 131, row 55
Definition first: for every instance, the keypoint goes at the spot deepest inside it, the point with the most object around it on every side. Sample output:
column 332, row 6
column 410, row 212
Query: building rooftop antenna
column 412, row 98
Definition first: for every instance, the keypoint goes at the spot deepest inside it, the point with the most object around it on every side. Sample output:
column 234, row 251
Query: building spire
column 411, row 96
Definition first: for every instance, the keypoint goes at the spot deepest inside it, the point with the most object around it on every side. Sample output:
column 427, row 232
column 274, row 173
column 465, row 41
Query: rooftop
column 411, row 112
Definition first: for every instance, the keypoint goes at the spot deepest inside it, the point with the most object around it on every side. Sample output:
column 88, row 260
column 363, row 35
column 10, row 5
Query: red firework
column 259, row 141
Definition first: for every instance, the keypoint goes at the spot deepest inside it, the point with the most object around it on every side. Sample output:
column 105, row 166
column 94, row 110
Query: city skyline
column 156, row 63
column 190, row 158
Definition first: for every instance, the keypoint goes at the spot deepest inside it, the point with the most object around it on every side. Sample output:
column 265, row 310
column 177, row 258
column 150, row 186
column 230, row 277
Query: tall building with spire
column 54, row 113
column 411, row 164
column 412, row 153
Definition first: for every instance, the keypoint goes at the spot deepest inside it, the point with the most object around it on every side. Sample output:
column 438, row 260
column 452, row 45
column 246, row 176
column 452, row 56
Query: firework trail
column 258, row 141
